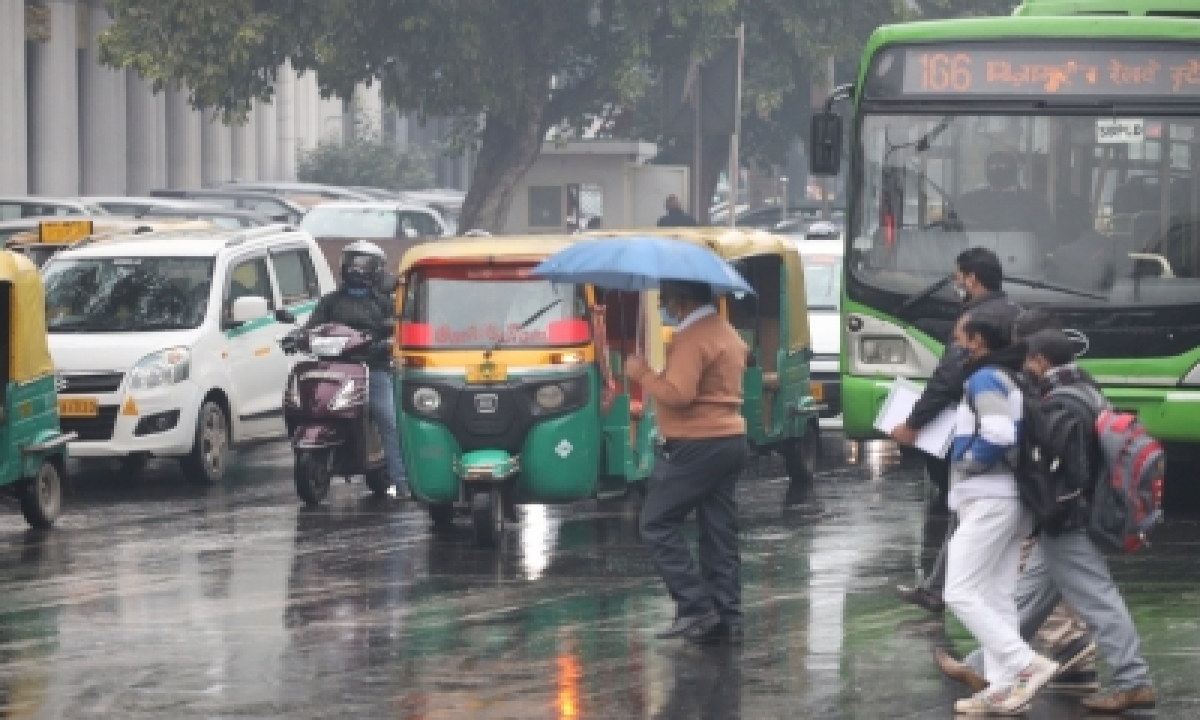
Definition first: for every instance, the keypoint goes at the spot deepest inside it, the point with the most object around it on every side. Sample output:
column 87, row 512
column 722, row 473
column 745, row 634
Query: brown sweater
column 699, row 395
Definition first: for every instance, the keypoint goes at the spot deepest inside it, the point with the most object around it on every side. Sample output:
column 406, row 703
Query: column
column 54, row 106
column 146, row 146
column 14, row 156
column 217, row 165
column 244, row 148
column 184, row 130
column 286, row 104
column 268, row 131
column 104, row 151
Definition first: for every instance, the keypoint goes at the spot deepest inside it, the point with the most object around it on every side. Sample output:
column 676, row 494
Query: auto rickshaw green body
column 476, row 434
column 32, row 447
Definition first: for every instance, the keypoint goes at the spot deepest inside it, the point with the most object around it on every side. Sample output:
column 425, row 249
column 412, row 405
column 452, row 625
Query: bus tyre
column 441, row 514
column 41, row 496
column 487, row 516
column 379, row 482
column 312, row 477
column 205, row 465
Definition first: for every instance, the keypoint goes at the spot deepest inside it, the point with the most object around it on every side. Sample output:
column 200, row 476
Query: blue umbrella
column 640, row 263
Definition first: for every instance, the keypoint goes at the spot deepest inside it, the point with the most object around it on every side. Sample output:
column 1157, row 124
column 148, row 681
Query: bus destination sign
column 993, row 70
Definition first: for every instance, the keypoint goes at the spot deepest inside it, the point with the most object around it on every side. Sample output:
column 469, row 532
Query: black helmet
column 362, row 265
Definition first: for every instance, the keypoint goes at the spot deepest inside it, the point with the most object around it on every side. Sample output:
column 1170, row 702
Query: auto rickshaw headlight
column 161, row 369
column 550, row 397
column 427, row 401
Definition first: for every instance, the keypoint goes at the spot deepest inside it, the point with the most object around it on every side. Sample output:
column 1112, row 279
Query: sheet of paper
column 935, row 437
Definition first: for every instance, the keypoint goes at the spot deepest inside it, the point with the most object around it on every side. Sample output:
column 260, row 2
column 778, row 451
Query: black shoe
column 684, row 623
column 921, row 597
column 1074, row 654
column 717, row 632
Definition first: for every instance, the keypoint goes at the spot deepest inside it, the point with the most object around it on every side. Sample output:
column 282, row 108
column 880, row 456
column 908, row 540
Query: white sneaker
column 1030, row 681
column 989, row 702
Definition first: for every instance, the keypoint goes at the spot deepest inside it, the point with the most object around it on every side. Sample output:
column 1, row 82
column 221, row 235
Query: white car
column 165, row 343
column 823, row 286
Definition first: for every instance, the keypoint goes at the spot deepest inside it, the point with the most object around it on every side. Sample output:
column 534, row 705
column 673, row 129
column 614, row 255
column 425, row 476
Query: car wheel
column 205, row 465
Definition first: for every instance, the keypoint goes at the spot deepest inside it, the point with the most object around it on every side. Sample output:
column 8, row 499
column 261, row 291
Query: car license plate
column 817, row 390
column 486, row 373
column 78, row 407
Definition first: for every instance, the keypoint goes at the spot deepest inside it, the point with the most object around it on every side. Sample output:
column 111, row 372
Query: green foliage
column 366, row 160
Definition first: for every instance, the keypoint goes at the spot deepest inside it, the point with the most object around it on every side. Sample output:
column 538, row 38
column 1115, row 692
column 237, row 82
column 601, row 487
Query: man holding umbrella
column 698, row 401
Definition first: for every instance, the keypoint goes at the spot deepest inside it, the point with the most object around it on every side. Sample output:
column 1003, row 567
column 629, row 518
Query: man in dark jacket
column 364, row 303
column 978, row 278
column 675, row 216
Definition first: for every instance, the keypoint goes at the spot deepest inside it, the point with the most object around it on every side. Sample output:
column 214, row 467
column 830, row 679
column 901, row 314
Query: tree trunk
column 508, row 147
column 714, row 162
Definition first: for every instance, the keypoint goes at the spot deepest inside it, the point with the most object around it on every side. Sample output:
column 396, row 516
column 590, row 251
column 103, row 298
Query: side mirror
column 411, row 233
column 825, row 145
column 250, row 308
column 285, row 316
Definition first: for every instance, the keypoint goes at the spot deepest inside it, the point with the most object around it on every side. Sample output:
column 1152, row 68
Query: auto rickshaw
column 33, row 450
column 53, row 235
column 781, row 404
column 510, row 387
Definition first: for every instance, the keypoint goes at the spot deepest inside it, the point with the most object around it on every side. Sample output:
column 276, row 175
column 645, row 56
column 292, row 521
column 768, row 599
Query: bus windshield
column 1083, row 209
column 451, row 307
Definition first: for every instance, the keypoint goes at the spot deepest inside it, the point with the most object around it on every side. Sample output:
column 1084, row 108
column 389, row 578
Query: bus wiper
column 487, row 354
column 927, row 292
column 1040, row 285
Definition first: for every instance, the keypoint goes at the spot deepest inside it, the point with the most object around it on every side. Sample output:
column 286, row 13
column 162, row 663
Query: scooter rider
column 364, row 302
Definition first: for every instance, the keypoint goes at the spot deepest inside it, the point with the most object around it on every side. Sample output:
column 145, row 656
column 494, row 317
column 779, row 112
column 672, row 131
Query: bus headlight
column 882, row 350
column 550, row 397
column 1193, row 376
column 427, row 401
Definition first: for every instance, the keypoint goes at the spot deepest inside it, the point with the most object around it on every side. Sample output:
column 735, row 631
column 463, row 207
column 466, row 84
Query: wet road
column 155, row 599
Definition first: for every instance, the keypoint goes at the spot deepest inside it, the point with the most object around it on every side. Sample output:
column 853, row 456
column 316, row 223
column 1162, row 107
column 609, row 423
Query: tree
column 520, row 66
column 366, row 160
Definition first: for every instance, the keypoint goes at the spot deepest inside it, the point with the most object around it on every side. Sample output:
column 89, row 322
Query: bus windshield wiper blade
column 1040, row 285
column 926, row 292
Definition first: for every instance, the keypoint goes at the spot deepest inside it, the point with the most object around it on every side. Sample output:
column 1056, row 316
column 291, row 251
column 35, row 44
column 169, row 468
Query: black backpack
column 1051, row 458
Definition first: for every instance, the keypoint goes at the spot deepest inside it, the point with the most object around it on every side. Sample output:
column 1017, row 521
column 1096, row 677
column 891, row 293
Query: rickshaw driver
column 363, row 303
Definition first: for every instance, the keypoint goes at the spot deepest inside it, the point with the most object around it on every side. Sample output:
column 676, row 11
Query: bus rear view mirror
column 825, row 146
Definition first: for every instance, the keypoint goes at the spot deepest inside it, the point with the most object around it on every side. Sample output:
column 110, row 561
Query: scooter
column 325, row 407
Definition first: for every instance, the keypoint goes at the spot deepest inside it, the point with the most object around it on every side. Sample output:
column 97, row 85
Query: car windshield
column 363, row 222
column 477, row 307
column 823, row 281
column 126, row 294
column 1081, row 209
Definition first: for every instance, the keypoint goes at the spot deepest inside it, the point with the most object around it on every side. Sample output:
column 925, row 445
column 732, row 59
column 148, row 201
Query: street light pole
column 735, row 171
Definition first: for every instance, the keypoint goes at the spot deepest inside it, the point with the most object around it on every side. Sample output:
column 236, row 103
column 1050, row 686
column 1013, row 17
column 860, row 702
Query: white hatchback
column 823, row 286
column 165, row 343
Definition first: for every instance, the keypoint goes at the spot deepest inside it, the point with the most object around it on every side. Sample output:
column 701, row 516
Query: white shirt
column 694, row 316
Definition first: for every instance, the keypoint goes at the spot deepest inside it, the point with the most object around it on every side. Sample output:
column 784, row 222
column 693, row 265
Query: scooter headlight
column 550, row 397
column 346, row 396
column 427, row 401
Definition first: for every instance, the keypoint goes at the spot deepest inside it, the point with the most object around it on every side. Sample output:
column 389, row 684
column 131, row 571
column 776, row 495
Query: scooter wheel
column 312, row 478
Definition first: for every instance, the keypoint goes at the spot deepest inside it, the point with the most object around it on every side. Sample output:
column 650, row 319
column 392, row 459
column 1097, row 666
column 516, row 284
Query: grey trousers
column 698, row 475
column 1069, row 566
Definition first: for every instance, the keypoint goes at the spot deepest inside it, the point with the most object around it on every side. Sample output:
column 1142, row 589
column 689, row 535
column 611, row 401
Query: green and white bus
column 1067, row 139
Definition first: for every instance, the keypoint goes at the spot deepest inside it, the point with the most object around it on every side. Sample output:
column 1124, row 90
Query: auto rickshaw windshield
column 459, row 307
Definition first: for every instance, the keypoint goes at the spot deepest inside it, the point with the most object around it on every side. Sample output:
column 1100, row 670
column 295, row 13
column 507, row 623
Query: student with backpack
column 983, row 559
column 1066, row 563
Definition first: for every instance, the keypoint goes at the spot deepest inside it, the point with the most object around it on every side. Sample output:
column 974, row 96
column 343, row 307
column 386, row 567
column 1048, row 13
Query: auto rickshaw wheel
column 441, row 514
column 312, row 477
column 379, row 482
column 41, row 496
column 800, row 461
column 487, row 515
column 205, row 465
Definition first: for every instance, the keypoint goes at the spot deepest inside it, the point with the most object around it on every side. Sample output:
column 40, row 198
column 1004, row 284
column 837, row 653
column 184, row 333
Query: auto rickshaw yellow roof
column 487, row 249
column 29, row 351
column 733, row 244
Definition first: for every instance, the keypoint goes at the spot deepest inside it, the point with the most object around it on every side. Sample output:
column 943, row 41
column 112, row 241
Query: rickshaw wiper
column 528, row 321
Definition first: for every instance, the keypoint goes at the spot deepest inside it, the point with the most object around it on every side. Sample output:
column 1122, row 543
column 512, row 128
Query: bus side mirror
column 825, row 145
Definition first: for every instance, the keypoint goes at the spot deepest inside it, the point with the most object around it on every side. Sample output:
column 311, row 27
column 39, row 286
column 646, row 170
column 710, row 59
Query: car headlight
column 550, row 397
column 161, row 369
column 327, row 346
column 881, row 350
column 427, row 401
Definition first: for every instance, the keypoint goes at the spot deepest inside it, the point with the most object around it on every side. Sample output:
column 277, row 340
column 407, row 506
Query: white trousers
column 983, row 564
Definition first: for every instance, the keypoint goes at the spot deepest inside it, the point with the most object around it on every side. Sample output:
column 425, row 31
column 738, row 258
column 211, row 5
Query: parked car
column 221, row 217
column 45, row 237
column 28, row 206
column 823, row 260
column 165, row 342
column 275, row 207
column 288, row 189
column 395, row 227
column 770, row 217
column 137, row 206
